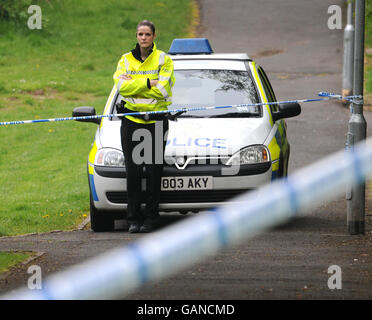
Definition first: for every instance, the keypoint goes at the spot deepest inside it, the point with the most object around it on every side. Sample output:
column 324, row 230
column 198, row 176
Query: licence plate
column 186, row 183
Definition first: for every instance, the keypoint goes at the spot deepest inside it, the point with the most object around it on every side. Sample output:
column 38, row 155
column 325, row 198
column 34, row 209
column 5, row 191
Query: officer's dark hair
column 147, row 23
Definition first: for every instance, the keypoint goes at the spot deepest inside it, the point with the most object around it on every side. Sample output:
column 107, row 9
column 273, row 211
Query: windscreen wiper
column 236, row 115
column 173, row 117
column 191, row 116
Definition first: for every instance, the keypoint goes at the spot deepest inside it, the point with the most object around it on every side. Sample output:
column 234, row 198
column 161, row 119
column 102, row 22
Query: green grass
column 9, row 259
column 45, row 74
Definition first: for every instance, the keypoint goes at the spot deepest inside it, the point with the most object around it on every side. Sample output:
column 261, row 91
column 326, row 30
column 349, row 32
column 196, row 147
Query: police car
column 212, row 154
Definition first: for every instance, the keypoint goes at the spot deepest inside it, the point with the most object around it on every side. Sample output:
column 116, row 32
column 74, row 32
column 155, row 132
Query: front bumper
column 109, row 184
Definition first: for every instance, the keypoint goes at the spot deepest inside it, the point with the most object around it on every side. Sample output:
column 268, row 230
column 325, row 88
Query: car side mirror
column 86, row 112
column 287, row 110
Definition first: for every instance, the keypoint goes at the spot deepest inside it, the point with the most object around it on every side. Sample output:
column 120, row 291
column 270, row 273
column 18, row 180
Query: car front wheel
column 100, row 220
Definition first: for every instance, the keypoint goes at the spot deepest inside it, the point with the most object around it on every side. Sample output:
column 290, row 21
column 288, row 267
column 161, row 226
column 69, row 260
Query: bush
column 14, row 10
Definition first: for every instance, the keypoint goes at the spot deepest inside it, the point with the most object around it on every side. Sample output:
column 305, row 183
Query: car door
column 281, row 134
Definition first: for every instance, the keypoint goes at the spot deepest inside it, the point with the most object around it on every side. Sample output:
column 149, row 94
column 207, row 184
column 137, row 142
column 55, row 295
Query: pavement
column 301, row 56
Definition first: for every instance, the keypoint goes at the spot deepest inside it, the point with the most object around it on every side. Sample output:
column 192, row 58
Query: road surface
column 301, row 56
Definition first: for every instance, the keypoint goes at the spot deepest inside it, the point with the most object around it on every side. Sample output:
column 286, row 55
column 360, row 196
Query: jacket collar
column 137, row 51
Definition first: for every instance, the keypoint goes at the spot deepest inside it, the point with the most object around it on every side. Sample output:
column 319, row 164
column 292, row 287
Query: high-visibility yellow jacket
column 137, row 93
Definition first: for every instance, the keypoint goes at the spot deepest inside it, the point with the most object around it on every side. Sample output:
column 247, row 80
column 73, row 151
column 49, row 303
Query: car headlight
column 109, row 157
column 250, row 155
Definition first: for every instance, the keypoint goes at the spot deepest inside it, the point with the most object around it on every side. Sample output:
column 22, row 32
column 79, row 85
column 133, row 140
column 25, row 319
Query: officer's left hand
column 125, row 76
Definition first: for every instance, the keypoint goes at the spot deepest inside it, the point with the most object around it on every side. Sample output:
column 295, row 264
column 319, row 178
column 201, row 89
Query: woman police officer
column 144, row 78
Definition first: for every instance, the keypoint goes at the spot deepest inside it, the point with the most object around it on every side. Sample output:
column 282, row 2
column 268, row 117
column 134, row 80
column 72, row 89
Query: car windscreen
column 212, row 88
column 207, row 88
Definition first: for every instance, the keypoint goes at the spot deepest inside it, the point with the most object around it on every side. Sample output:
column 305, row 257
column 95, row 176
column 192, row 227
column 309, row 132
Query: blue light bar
column 190, row 46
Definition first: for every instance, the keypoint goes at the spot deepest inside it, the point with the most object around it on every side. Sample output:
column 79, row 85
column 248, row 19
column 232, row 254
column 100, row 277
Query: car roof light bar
column 190, row 46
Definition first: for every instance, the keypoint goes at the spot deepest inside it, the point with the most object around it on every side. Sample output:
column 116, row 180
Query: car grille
column 182, row 196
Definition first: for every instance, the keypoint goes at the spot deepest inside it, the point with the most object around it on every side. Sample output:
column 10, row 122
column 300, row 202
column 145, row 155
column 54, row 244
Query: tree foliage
column 14, row 10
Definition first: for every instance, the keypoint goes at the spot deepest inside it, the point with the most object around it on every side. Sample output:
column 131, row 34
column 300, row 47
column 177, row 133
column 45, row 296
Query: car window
column 268, row 89
column 207, row 88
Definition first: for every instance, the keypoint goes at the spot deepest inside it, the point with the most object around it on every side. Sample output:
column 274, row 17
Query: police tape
column 156, row 256
column 326, row 96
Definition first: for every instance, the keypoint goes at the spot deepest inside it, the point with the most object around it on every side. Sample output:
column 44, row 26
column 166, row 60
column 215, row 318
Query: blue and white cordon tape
column 119, row 272
column 327, row 96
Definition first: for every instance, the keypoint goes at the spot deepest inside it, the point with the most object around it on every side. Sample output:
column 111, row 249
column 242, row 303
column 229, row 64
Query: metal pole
column 357, row 125
column 348, row 63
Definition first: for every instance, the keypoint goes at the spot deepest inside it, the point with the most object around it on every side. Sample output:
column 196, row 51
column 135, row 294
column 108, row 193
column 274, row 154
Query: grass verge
column 45, row 74
column 10, row 259
column 368, row 56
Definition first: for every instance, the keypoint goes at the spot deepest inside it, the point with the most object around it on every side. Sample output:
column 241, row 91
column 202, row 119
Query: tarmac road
column 301, row 56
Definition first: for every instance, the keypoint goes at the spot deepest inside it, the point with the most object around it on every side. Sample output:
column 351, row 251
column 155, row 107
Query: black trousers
column 143, row 146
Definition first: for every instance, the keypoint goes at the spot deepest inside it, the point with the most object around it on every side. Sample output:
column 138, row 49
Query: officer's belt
column 147, row 116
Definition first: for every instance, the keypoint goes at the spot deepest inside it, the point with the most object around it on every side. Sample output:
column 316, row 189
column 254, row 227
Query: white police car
column 212, row 154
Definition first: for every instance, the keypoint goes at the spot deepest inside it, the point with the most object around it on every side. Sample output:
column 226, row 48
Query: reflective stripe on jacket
column 136, row 93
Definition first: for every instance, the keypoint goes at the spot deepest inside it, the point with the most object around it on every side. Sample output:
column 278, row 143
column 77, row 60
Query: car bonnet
column 200, row 136
column 213, row 137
